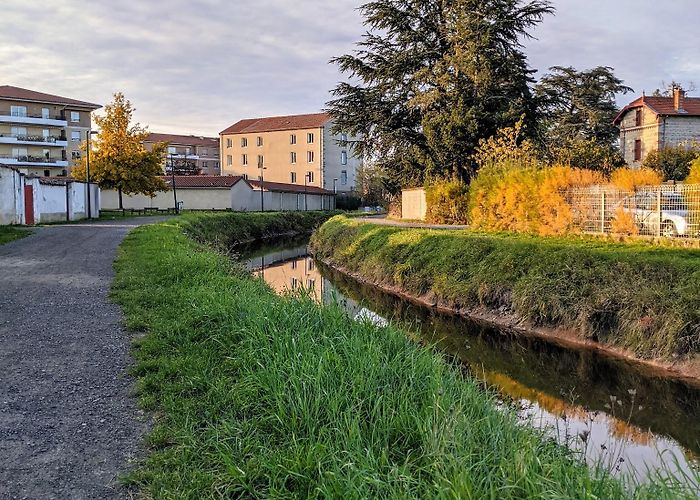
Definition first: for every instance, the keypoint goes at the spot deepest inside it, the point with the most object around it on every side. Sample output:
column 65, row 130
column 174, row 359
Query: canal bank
column 263, row 395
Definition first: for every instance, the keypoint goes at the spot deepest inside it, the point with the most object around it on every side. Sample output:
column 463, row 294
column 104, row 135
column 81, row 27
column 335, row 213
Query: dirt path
column 68, row 423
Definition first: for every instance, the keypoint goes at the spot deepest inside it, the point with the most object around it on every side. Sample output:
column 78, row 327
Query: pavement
column 383, row 221
column 69, row 425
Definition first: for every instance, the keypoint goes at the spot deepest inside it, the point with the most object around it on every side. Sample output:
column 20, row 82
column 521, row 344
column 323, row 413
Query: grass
column 260, row 396
column 12, row 233
column 635, row 296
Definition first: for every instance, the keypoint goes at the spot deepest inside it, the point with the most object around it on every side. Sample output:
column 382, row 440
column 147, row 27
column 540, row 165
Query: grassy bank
column 638, row 297
column 266, row 396
column 12, row 233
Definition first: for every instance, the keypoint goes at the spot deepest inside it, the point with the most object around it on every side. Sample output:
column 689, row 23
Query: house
column 299, row 150
column 653, row 122
column 41, row 134
column 189, row 154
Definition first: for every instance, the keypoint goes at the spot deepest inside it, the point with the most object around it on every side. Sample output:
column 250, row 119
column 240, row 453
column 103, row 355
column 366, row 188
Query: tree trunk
column 121, row 204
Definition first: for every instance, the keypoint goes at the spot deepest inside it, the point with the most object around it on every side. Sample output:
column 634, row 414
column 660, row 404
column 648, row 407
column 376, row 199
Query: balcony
column 27, row 119
column 32, row 161
column 182, row 156
column 34, row 140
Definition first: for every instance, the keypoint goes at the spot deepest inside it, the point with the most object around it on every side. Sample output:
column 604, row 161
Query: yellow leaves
column 628, row 179
column 694, row 176
column 623, row 222
column 447, row 203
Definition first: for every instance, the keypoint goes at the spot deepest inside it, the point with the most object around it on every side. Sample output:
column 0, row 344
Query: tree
column 672, row 162
column 577, row 110
column 431, row 78
column 119, row 160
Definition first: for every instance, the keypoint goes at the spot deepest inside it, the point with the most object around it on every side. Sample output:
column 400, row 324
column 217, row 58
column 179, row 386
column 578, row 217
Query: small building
column 299, row 150
column 41, row 134
column 654, row 122
column 188, row 154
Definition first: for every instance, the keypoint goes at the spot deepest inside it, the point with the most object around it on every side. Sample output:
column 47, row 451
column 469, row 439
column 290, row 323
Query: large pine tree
column 430, row 78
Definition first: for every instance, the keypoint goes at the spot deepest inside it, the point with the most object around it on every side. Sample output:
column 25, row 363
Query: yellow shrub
column 447, row 203
column 694, row 176
column 623, row 222
column 628, row 179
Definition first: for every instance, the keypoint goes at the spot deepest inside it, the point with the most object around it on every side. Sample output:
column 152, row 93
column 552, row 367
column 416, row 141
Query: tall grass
column 257, row 395
column 12, row 233
column 635, row 296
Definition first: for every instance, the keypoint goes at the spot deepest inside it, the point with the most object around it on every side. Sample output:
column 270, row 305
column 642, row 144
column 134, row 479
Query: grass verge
column 12, row 233
column 262, row 396
column 634, row 296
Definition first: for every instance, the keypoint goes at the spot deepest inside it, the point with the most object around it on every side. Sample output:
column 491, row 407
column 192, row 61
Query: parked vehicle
column 674, row 213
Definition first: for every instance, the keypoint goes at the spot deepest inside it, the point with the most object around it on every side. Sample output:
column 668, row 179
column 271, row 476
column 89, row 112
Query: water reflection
column 613, row 411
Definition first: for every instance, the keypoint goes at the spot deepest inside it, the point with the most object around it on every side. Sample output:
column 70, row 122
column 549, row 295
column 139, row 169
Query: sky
column 198, row 66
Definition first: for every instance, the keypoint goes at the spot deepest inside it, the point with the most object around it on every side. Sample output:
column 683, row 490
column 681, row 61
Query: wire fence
column 667, row 210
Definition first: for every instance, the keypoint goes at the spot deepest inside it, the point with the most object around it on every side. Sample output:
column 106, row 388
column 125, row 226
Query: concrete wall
column 246, row 199
column 413, row 204
column 49, row 203
column 11, row 197
column 191, row 198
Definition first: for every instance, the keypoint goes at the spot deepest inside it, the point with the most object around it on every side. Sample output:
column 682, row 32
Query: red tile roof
column 20, row 94
column 203, row 181
column 662, row 106
column 279, row 187
column 278, row 123
column 184, row 140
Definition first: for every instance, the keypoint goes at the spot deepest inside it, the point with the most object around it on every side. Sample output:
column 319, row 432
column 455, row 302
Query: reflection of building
column 41, row 133
column 296, row 274
column 191, row 155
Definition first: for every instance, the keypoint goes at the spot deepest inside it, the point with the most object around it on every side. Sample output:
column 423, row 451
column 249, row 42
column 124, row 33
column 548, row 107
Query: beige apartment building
column 651, row 123
column 40, row 133
column 299, row 149
column 191, row 155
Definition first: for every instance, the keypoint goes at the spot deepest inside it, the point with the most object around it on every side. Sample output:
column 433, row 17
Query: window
column 19, row 153
column 310, row 284
column 45, row 113
column 638, row 118
column 18, row 110
column 45, row 134
column 229, row 143
column 188, row 151
column 310, row 156
column 75, row 155
column 47, row 154
column 205, row 164
column 75, row 136
column 295, row 283
column 344, row 177
column 310, row 176
column 245, row 177
column 229, row 160
column 311, row 265
column 19, row 132
column 244, row 142
column 344, row 158
column 294, row 264
column 216, row 164
column 205, row 152
column 47, row 173
column 637, row 150
column 172, row 150
column 293, row 139
column 310, row 138
column 261, row 161
column 74, row 116
column 293, row 177
column 260, row 141
column 244, row 160
column 343, row 139
column 292, row 157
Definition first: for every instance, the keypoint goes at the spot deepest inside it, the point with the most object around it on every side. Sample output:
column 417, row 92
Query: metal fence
column 668, row 210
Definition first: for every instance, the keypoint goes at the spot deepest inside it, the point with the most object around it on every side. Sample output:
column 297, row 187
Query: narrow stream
column 618, row 413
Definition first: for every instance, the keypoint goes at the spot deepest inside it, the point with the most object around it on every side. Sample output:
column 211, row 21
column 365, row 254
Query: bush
column 347, row 202
column 672, row 163
column 694, row 175
column 447, row 203
column 628, row 179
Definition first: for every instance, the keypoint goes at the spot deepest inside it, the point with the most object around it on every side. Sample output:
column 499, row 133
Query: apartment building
column 189, row 154
column 299, row 149
column 40, row 133
column 655, row 122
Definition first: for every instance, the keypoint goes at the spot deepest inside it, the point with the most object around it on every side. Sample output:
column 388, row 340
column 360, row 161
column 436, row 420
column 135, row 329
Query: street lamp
column 307, row 177
column 262, row 186
column 172, row 177
column 87, row 172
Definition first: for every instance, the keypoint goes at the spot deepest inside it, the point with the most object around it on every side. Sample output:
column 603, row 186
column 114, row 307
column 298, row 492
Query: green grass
column 636, row 296
column 261, row 396
column 12, row 233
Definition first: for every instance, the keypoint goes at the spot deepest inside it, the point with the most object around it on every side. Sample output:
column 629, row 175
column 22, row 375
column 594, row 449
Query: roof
column 20, row 94
column 279, row 187
column 278, row 123
column 203, row 181
column 663, row 106
column 185, row 140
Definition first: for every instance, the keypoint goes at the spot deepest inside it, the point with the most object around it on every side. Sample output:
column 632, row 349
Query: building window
column 205, row 152
column 310, row 176
column 638, row 118
column 310, row 284
column 260, row 141
column 74, row 116
column 344, row 158
column 261, row 161
column 294, row 264
column 310, row 138
column 244, row 142
column 46, row 134
column 244, row 160
column 188, row 151
column 205, row 164
column 75, row 136
column 343, row 139
column 311, row 264
column 75, row 155
column 229, row 143
column 45, row 113
column 293, row 139
column 293, row 177
column 172, row 150
column 19, row 132
column 344, row 177
column 229, row 160
column 18, row 111
column 637, row 150
column 245, row 177
column 293, row 157
column 310, row 156
column 216, row 164
column 47, row 173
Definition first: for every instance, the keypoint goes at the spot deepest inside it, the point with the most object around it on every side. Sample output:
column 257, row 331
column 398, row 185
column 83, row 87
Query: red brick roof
column 20, row 94
column 278, row 123
column 279, row 187
column 184, row 140
column 662, row 106
column 203, row 181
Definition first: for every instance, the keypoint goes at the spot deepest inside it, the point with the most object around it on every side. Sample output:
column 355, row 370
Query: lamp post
column 87, row 173
column 307, row 177
column 335, row 192
column 172, row 177
column 262, row 188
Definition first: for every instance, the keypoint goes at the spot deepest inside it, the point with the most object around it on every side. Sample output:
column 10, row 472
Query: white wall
column 49, row 203
column 413, row 204
column 332, row 166
column 191, row 198
column 11, row 197
column 246, row 199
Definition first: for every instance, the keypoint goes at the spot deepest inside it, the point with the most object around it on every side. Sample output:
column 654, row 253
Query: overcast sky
column 197, row 66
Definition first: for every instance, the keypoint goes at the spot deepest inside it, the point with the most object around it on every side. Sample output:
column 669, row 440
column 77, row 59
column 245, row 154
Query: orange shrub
column 623, row 222
column 628, row 179
column 694, row 176
column 447, row 203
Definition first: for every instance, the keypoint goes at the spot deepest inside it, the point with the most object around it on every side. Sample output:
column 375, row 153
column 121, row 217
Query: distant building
column 41, row 134
column 300, row 150
column 650, row 123
column 191, row 155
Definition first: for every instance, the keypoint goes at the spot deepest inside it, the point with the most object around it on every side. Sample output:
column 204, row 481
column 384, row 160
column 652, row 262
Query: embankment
column 635, row 299
column 258, row 395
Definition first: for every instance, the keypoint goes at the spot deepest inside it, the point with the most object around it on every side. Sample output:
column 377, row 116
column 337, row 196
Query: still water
column 617, row 413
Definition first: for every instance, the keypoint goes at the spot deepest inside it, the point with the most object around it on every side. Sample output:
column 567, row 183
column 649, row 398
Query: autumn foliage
column 629, row 179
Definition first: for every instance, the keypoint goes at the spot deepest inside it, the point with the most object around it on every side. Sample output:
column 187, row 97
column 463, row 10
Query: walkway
column 68, row 423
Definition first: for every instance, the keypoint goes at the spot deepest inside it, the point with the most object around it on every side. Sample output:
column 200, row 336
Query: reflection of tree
column 182, row 166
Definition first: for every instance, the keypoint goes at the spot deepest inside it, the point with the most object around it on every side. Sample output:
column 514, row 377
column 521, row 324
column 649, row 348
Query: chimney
column 678, row 99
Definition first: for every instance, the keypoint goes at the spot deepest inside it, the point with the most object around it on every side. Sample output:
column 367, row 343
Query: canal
column 619, row 414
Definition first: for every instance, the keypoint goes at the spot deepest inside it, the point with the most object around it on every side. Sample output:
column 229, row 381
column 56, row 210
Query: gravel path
column 68, row 424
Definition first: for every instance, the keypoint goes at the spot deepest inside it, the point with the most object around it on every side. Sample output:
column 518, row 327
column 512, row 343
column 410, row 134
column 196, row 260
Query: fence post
column 658, row 212
column 602, row 212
